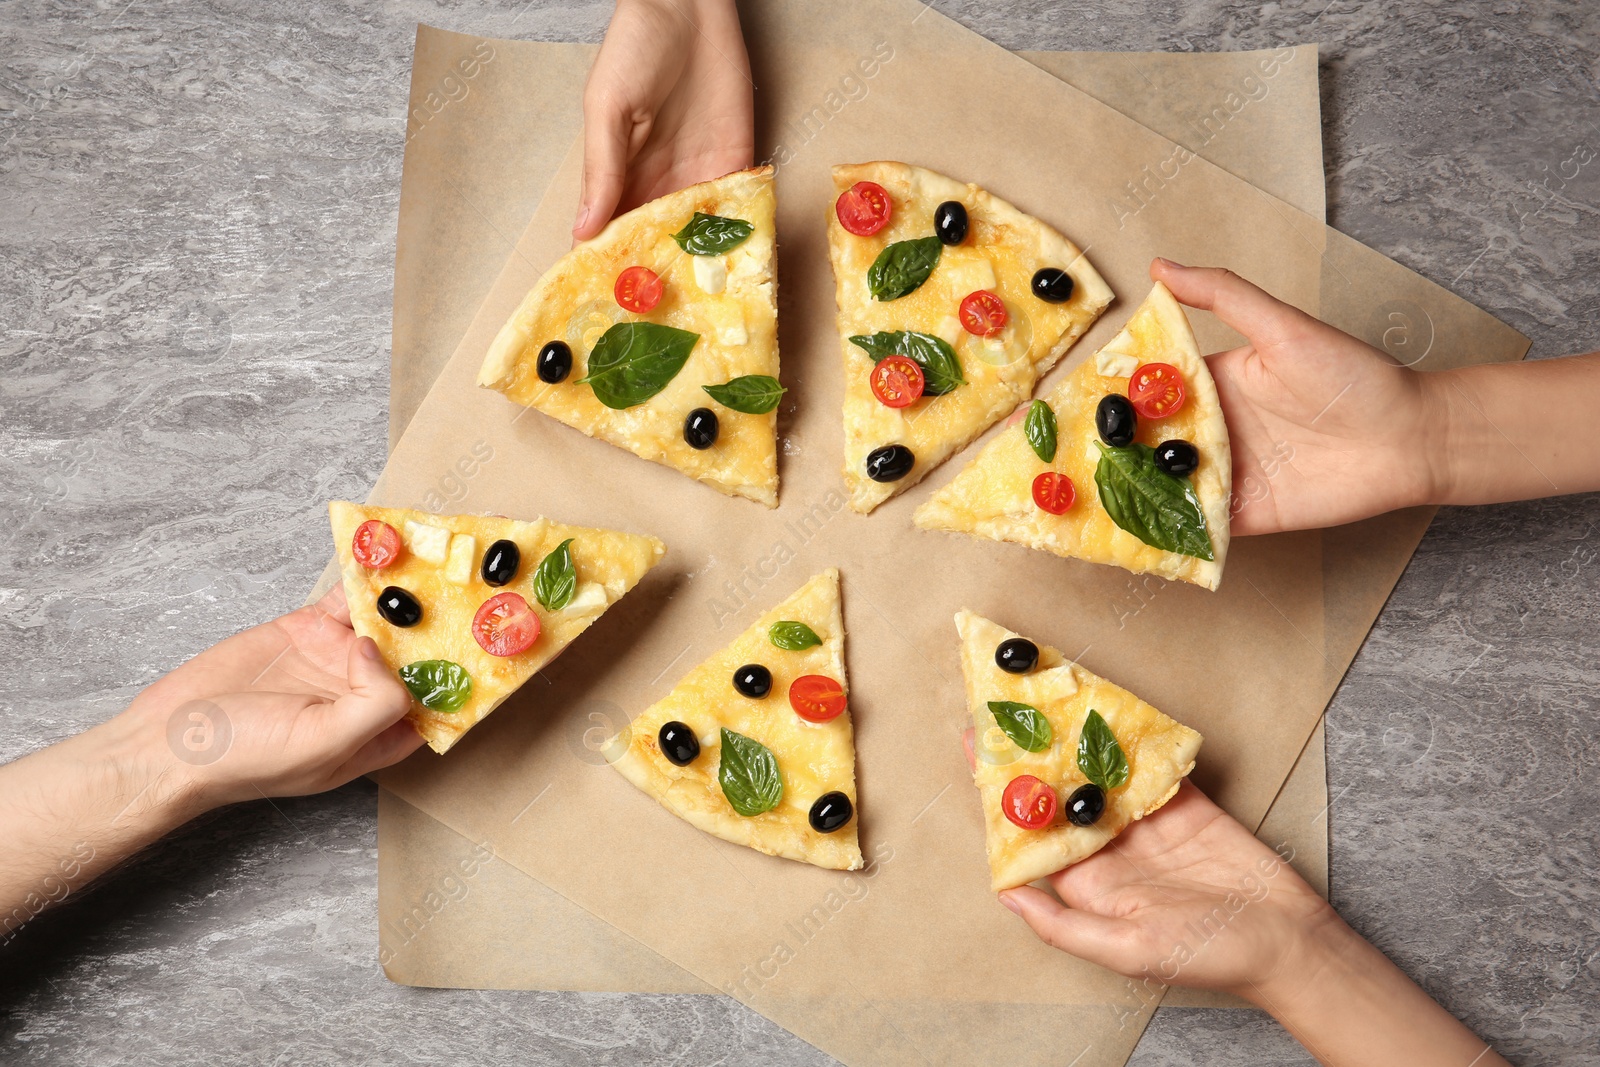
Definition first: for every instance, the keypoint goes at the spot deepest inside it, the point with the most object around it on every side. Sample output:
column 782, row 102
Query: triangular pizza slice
column 951, row 304
column 1126, row 461
column 755, row 744
column 468, row 607
column 1065, row 760
column 660, row 335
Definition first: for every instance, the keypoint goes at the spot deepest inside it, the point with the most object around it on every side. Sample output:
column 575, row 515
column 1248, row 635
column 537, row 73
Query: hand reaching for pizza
column 668, row 103
column 1188, row 896
column 1327, row 430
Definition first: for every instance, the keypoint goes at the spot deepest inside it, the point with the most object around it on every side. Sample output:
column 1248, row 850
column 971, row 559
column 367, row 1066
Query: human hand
column 296, row 705
column 669, row 103
column 1325, row 428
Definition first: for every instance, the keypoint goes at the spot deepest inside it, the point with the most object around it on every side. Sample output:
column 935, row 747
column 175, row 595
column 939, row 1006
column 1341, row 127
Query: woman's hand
column 293, row 706
column 669, row 103
column 1325, row 428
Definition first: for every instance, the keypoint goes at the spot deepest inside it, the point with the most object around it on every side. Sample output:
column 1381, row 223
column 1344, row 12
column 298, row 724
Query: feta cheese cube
column 710, row 273
column 430, row 543
column 463, row 554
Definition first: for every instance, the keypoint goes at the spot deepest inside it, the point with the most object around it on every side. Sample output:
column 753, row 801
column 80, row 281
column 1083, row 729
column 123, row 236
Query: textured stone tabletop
column 197, row 219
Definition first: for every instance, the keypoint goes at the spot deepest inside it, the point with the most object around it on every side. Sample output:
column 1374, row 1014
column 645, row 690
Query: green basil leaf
column 941, row 367
column 749, row 774
column 1023, row 723
column 556, row 579
column 633, row 361
column 712, row 235
column 753, row 394
column 438, row 684
column 1158, row 508
column 902, row 267
column 1100, row 758
column 792, row 636
column 1040, row 428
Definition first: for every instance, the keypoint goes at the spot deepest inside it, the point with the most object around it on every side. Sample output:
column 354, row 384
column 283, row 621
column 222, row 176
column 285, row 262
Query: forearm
column 1349, row 1005
column 1512, row 431
column 76, row 809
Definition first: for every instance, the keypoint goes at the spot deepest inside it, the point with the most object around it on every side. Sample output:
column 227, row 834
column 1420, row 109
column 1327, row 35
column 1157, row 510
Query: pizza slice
column 951, row 305
column 468, row 607
column 755, row 744
column 660, row 335
column 1065, row 760
column 1126, row 462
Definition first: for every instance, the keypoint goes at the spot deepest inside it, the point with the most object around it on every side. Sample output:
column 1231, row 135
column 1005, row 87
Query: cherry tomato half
column 1029, row 803
column 1156, row 390
column 983, row 314
column 1054, row 492
column 897, row 381
column 816, row 698
column 638, row 289
column 376, row 544
column 505, row 625
column 864, row 208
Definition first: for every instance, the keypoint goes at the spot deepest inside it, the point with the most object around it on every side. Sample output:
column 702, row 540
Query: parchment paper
column 916, row 962
column 471, row 166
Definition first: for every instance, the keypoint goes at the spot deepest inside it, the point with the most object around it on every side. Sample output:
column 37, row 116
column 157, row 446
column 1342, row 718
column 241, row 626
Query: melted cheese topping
column 813, row 758
column 993, row 496
column 609, row 562
column 1002, row 251
column 731, row 303
column 1159, row 753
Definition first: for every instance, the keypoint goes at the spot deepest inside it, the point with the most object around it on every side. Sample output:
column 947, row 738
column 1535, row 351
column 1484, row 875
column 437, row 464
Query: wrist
column 1316, row 947
column 1443, row 445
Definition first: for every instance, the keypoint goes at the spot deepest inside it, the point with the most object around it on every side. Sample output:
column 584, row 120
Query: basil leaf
column 556, row 579
column 438, row 684
column 941, row 367
column 792, row 636
column 753, row 394
column 902, row 267
column 749, row 774
column 633, row 361
column 1100, row 758
column 1040, row 429
column 1158, row 508
column 1023, row 723
column 712, row 235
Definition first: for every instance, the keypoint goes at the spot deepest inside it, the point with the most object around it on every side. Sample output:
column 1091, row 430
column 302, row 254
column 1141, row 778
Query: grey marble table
column 197, row 217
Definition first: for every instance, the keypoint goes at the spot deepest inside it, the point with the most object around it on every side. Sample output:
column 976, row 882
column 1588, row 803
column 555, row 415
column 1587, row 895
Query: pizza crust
column 1003, row 249
column 1160, row 753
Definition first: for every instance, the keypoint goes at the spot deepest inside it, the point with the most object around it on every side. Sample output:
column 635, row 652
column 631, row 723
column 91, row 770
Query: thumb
column 1096, row 938
column 377, row 698
column 1250, row 310
column 606, row 136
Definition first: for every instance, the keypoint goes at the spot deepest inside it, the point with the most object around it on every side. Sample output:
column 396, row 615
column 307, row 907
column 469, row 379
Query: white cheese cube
column 588, row 600
column 710, row 274
column 430, row 543
column 1117, row 359
column 733, row 331
column 463, row 554
column 949, row 330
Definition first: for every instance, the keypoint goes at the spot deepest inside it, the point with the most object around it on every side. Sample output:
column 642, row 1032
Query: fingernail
column 583, row 217
column 1010, row 903
column 1165, row 262
column 369, row 649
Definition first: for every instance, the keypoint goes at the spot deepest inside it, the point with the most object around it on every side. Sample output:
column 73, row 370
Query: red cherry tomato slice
column 376, row 544
column 816, row 698
column 505, row 625
column 1054, row 492
column 864, row 208
column 639, row 289
column 1156, row 390
column 983, row 314
column 897, row 381
column 1029, row 803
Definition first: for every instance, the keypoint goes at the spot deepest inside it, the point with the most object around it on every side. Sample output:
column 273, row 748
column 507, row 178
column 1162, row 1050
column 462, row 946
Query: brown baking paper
column 911, row 961
column 476, row 156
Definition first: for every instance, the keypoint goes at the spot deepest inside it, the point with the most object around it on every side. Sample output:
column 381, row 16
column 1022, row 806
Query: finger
column 1252, row 311
column 1097, row 938
column 607, row 133
column 394, row 744
column 377, row 699
column 334, row 605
